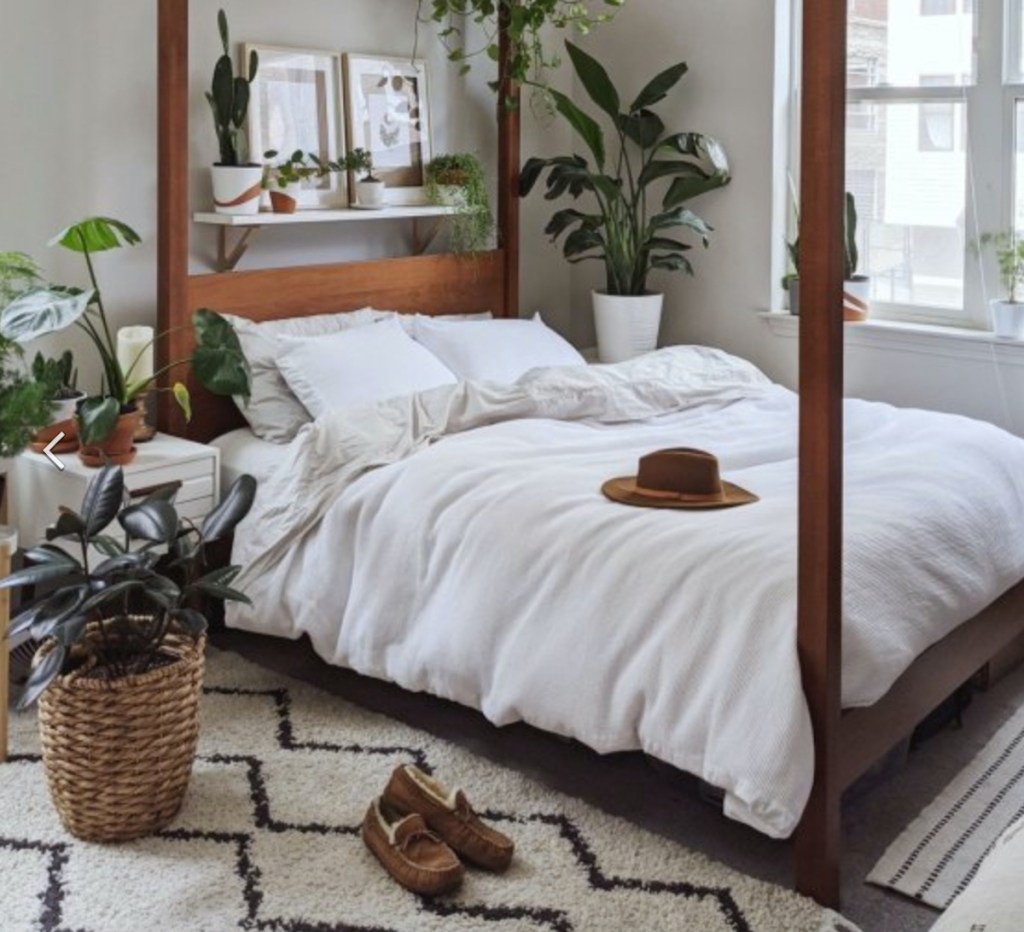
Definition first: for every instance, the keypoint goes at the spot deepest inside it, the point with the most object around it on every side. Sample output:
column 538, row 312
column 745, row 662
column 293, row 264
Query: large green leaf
column 151, row 520
column 595, row 80
column 669, row 168
column 684, row 189
column 233, row 508
column 564, row 219
column 682, row 217
column 218, row 361
column 34, row 575
column 96, row 234
column 581, row 241
column 587, row 127
column 103, row 499
column 644, row 127
column 40, row 311
column 658, row 88
column 68, row 524
column 672, row 262
column 97, row 418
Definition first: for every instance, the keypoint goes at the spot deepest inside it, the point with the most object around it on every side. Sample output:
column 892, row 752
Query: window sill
column 900, row 336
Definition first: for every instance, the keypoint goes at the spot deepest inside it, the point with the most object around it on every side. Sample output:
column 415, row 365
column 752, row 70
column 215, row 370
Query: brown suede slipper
column 410, row 852
column 450, row 815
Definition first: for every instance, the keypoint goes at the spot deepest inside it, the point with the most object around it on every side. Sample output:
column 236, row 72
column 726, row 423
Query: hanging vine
column 529, row 60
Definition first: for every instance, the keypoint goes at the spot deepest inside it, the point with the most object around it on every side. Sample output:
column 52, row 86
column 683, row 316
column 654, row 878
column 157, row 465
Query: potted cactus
column 237, row 183
column 60, row 378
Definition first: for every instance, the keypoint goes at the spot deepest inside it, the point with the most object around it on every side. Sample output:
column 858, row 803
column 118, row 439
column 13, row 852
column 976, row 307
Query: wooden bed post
column 509, row 126
column 173, row 188
column 819, row 607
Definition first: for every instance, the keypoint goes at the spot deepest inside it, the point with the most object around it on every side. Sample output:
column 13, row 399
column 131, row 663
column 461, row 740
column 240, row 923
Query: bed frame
column 846, row 744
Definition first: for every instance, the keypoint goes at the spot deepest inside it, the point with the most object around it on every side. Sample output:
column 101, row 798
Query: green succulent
column 228, row 98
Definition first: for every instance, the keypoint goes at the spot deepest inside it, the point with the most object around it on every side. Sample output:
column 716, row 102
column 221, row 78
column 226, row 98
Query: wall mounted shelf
column 229, row 256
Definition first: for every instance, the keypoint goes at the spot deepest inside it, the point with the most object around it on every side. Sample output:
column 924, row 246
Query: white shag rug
column 268, row 839
column 938, row 854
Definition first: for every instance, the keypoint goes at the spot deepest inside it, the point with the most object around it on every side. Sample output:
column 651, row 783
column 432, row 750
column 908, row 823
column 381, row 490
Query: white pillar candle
column 135, row 352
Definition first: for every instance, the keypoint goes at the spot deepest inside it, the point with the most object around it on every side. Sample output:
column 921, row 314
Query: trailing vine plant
column 527, row 19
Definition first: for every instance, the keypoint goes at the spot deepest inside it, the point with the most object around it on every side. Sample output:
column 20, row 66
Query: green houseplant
column 1008, row 312
column 630, row 225
column 60, row 377
column 236, row 180
column 370, row 191
column 122, row 640
column 458, row 180
column 283, row 176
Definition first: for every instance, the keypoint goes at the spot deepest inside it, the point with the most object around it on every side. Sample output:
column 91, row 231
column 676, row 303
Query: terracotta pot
column 283, row 203
column 118, row 449
column 65, row 424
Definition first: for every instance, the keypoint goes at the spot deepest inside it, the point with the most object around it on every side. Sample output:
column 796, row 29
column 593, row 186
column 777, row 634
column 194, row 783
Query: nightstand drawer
column 188, row 489
column 196, row 510
column 168, row 473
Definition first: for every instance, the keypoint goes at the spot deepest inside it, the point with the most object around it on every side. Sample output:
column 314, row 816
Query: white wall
column 78, row 113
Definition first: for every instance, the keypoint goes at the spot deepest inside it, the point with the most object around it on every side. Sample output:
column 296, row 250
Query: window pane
column 911, row 202
column 901, row 42
column 1018, row 165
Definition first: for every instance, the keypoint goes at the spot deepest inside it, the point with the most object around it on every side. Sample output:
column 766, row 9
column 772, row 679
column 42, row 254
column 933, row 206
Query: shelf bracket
column 421, row 242
column 228, row 260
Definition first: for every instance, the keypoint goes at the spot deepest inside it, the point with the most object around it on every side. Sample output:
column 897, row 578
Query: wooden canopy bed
column 846, row 743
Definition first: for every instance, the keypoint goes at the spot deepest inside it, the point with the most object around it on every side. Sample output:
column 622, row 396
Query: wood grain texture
column 819, row 608
column 509, row 154
column 443, row 284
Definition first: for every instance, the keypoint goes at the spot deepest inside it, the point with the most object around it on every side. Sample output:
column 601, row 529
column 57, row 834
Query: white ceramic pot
column 627, row 326
column 857, row 298
column 1007, row 320
column 371, row 195
column 237, row 189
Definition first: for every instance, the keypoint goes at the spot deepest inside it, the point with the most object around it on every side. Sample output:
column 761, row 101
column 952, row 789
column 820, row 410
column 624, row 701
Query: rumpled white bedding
column 488, row 568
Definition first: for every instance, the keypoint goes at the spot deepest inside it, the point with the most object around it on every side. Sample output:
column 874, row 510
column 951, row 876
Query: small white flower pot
column 371, row 195
column 857, row 298
column 1007, row 319
column 237, row 189
column 627, row 325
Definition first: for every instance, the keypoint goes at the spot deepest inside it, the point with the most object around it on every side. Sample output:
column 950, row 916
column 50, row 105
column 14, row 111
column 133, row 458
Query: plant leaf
column 218, row 362
column 644, row 127
column 659, row 86
column 587, row 127
column 107, row 545
column 48, row 553
column 43, row 673
column 41, row 311
column 150, row 520
column 68, row 524
column 103, row 499
column 672, row 262
column 192, row 621
column 232, row 509
column 97, row 418
column 595, row 80
column 96, row 234
column 33, row 575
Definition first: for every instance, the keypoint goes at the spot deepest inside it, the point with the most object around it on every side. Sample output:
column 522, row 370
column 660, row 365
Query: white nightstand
column 37, row 488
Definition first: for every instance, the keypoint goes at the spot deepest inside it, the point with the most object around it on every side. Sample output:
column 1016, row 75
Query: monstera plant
column 638, row 191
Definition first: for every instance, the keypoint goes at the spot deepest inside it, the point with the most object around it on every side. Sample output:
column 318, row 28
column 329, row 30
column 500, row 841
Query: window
column 935, row 113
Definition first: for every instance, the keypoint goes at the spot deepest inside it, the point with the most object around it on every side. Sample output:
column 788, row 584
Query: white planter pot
column 237, row 189
column 1007, row 320
column 627, row 326
column 371, row 195
column 857, row 298
column 65, row 408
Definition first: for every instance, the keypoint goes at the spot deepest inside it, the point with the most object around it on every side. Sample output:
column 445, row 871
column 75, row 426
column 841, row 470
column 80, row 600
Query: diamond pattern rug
column 268, row 839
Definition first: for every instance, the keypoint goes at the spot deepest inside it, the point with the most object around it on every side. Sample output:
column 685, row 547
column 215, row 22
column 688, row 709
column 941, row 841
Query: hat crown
column 681, row 471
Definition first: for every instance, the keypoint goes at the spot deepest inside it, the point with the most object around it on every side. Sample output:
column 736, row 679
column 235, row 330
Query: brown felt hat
column 677, row 478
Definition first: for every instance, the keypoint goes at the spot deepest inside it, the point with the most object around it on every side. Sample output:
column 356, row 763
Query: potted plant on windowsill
column 236, row 181
column 1008, row 312
column 283, row 178
column 60, row 378
column 627, row 233
column 370, row 191
column 119, row 671
column 458, row 181
column 107, row 421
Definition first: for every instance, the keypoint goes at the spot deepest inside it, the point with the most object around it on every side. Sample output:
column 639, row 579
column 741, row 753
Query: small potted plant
column 236, row 181
column 625, row 228
column 1008, row 312
column 60, row 378
column 370, row 191
column 458, row 181
column 119, row 670
column 281, row 179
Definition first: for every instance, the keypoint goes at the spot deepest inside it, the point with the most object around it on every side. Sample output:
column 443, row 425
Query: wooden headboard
column 440, row 284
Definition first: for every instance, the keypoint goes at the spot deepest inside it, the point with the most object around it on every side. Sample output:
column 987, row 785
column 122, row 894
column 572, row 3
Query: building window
column 936, row 131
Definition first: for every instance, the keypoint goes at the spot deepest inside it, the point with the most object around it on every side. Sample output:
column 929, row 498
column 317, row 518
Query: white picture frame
column 297, row 102
column 387, row 112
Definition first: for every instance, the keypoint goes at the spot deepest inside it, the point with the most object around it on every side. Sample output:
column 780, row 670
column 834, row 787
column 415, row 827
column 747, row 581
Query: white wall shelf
column 228, row 259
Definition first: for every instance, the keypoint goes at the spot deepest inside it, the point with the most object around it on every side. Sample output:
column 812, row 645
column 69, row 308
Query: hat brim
column 623, row 490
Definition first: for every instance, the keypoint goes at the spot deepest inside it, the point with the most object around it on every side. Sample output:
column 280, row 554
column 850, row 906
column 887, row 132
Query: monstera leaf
column 218, row 361
column 42, row 310
column 96, row 234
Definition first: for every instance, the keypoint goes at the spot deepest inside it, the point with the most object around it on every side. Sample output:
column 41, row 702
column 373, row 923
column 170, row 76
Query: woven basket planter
column 118, row 753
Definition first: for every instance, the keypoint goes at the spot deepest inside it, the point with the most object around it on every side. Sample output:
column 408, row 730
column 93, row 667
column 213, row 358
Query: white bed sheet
column 488, row 568
column 241, row 451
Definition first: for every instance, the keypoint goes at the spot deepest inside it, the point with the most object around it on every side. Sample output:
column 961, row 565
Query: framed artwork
column 296, row 103
column 388, row 114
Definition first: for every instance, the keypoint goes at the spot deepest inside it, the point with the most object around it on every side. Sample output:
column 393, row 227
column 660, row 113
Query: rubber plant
column 471, row 227
column 42, row 309
column 525, row 22
column 629, row 228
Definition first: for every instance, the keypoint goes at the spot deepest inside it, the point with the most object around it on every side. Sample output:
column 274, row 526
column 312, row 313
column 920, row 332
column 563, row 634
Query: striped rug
column 939, row 853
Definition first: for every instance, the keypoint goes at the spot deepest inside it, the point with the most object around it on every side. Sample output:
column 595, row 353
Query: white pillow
column 408, row 321
column 495, row 350
column 272, row 411
column 358, row 367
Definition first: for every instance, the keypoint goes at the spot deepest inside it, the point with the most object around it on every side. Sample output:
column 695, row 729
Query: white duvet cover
column 458, row 543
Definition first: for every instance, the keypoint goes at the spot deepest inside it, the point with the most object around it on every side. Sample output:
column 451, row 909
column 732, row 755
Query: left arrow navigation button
column 50, row 455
